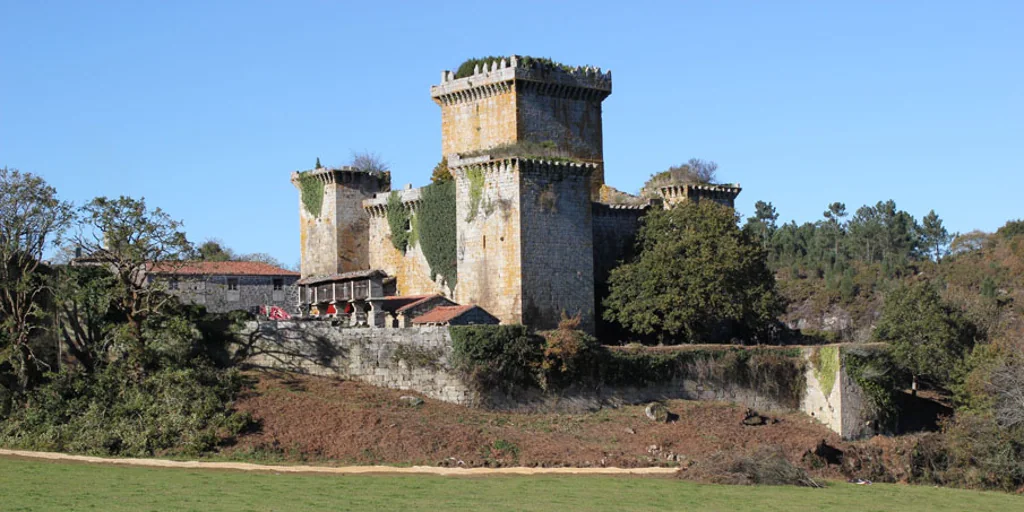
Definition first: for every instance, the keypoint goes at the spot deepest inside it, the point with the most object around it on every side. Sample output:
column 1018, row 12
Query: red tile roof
column 419, row 302
column 224, row 268
column 346, row 276
column 442, row 314
column 398, row 303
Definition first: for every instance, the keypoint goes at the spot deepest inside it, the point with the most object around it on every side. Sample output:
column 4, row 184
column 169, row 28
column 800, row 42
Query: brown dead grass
column 324, row 420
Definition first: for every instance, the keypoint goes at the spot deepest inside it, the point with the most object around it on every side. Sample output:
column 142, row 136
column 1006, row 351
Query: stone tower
column 335, row 239
column 521, row 99
column 525, row 241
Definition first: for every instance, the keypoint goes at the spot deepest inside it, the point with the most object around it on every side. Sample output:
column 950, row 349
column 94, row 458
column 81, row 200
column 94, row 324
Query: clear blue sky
column 204, row 108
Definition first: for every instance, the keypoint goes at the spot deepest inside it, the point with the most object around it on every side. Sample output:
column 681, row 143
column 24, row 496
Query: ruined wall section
column 489, row 241
column 337, row 240
column 411, row 270
column 557, row 242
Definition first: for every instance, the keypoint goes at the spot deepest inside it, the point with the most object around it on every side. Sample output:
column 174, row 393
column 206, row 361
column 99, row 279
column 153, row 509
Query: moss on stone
column 826, row 366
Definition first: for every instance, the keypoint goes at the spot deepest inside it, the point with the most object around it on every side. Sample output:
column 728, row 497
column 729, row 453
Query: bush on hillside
column 497, row 357
column 171, row 411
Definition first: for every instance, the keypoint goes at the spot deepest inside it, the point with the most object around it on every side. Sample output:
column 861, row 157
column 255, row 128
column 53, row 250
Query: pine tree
column 318, row 166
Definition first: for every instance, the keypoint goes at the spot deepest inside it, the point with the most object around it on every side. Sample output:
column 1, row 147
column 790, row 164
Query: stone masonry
column 419, row 359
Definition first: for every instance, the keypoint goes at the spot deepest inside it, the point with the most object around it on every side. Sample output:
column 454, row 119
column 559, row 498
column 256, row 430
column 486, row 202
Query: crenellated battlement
column 537, row 76
column 526, row 164
column 377, row 206
column 338, row 175
column 724, row 194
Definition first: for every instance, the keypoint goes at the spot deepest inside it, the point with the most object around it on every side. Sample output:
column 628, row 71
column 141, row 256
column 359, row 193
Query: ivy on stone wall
column 312, row 192
column 475, row 176
column 510, row 358
column 875, row 371
column 399, row 220
column 826, row 364
column 434, row 226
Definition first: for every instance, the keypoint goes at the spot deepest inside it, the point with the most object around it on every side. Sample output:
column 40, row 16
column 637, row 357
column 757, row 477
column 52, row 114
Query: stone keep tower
column 525, row 229
column 335, row 239
column 521, row 99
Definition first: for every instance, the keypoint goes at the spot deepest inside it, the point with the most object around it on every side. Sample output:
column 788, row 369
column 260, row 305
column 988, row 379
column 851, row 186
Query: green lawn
column 42, row 485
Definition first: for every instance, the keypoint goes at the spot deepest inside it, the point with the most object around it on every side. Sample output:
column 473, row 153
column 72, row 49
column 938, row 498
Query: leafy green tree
column 934, row 235
column 928, row 337
column 214, row 250
column 696, row 276
column 762, row 225
column 32, row 219
column 128, row 237
column 836, row 226
column 86, row 316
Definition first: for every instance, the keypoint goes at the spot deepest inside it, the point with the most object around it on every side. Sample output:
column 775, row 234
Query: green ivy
column 475, row 175
column 312, row 192
column 826, row 365
column 398, row 218
column 875, row 371
column 434, row 227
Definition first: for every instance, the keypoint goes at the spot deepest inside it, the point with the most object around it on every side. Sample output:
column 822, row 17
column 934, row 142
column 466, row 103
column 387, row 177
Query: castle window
column 278, row 284
column 173, row 284
column 233, row 284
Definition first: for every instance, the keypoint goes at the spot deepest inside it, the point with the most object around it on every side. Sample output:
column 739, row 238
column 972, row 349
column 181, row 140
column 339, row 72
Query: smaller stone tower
column 724, row 194
column 335, row 231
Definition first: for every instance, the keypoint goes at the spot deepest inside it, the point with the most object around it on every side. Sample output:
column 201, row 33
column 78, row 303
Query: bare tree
column 369, row 161
column 32, row 219
column 128, row 238
column 694, row 171
column 1007, row 385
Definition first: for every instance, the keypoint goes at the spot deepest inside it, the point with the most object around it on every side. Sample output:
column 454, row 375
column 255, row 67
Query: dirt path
column 343, row 470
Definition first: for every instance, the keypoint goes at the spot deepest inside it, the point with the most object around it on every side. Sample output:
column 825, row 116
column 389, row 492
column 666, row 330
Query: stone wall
column 485, row 121
column 844, row 408
column 411, row 270
column 414, row 358
column 572, row 122
column 418, row 359
column 253, row 291
column 489, row 246
column 557, row 243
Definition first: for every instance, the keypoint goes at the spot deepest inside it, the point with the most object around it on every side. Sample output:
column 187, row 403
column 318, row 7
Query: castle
column 534, row 231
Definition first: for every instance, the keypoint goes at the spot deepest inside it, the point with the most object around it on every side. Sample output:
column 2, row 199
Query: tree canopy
column 929, row 338
column 697, row 277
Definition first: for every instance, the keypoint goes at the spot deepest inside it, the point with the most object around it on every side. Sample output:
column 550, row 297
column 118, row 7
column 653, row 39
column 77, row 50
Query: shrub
column 181, row 411
column 502, row 357
column 765, row 466
column 570, row 355
column 466, row 68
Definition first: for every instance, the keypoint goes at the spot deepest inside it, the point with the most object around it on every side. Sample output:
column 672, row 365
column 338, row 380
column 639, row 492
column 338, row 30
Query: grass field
column 44, row 485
